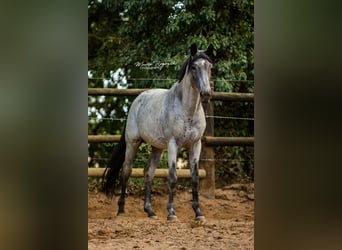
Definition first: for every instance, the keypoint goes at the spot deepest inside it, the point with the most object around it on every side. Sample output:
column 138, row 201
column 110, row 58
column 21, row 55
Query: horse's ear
column 193, row 49
column 209, row 50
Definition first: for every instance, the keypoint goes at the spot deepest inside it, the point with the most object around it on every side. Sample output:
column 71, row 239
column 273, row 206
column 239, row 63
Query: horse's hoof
column 150, row 214
column 200, row 218
column 120, row 214
column 153, row 216
column 171, row 217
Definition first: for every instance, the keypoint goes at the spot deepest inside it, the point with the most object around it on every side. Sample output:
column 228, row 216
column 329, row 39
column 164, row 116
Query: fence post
column 207, row 161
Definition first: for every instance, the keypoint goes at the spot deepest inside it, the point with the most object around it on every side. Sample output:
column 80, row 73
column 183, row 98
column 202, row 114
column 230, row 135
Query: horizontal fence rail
column 208, row 140
column 222, row 96
column 228, row 141
column 159, row 173
column 104, row 138
column 116, row 92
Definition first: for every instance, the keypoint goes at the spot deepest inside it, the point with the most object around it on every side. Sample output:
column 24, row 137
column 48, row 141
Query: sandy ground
column 228, row 224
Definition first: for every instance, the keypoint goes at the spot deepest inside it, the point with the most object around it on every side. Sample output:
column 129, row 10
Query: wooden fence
column 207, row 167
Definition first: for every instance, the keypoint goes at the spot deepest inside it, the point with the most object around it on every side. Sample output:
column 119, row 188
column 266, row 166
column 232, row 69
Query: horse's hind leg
column 194, row 154
column 131, row 150
column 148, row 174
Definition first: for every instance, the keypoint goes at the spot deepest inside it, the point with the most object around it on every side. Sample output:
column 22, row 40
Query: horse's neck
column 191, row 100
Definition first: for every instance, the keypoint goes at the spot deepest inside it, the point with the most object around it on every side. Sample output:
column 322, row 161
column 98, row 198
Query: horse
column 166, row 119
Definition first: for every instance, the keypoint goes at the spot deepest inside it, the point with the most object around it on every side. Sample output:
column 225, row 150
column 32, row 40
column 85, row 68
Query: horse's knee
column 194, row 176
column 172, row 176
column 172, row 181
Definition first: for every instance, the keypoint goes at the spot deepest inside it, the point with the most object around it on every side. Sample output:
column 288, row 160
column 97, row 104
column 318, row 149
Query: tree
column 136, row 36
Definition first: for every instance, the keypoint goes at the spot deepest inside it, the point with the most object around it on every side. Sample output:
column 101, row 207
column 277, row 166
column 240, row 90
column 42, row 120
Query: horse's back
column 149, row 101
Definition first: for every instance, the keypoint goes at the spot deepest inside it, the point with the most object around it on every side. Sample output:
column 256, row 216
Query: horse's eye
column 193, row 67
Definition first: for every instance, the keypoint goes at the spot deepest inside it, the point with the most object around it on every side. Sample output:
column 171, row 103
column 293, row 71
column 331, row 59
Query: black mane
column 189, row 61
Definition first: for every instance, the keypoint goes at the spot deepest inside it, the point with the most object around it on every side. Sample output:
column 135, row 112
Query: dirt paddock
column 228, row 224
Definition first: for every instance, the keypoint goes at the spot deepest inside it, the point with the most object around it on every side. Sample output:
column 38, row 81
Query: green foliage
column 124, row 33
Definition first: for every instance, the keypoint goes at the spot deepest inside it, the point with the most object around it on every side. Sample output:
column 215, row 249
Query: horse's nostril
column 205, row 96
column 206, row 93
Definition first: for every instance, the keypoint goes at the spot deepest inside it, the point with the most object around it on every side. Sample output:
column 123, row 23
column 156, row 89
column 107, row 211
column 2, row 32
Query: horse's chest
column 191, row 131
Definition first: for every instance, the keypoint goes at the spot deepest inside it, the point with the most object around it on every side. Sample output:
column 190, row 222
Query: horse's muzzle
column 205, row 96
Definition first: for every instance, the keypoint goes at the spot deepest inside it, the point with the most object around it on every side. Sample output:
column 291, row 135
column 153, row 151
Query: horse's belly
column 152, row 133
column 156, row 142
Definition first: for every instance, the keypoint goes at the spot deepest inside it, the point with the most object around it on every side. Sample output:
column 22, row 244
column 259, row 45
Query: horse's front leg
column 194, row 154
column 172, row 158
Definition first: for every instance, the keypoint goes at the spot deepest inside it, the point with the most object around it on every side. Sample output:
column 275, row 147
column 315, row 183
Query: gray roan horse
column 166, row 119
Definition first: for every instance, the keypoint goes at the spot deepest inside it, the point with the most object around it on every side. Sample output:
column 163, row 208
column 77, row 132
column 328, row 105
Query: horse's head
column 199, row 67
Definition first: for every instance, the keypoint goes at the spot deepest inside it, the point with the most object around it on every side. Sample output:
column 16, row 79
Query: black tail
column 111, row 175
